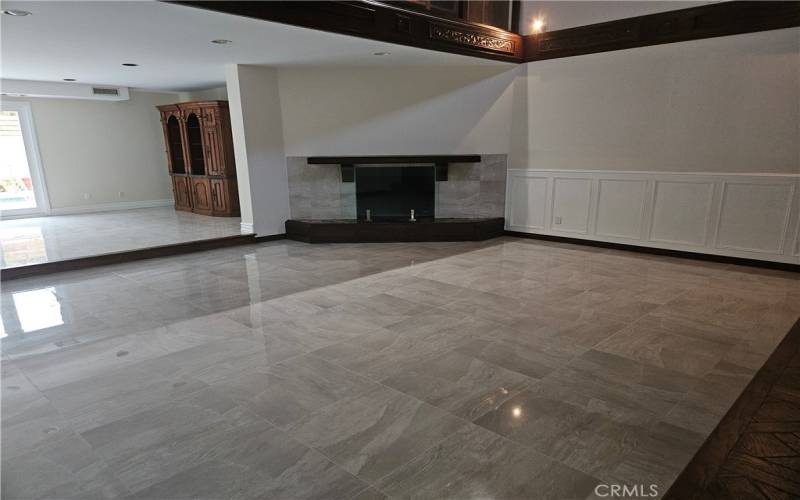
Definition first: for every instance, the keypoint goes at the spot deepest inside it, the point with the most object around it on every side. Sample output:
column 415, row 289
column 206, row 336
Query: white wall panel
column 528, row 202
column 754, row 217
column 571, row 200
column 620, row 208
column 681, row 211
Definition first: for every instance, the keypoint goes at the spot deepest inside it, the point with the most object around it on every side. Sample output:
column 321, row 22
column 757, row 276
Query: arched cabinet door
column 174, row 141
column 201, row 196
column 194, row 135
column 181, row 188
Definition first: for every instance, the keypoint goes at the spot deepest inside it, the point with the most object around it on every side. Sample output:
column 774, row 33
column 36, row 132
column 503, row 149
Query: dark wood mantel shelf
column 355, row 160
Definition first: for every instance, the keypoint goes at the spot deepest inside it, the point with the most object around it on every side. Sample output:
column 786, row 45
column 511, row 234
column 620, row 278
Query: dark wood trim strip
column 724, row 259
column 351, row 231
column 379, row 21
column 516, row 12
column 352, row 160
column 702, row 470
column 271, row 237
column 127, row 256
column 706, row 21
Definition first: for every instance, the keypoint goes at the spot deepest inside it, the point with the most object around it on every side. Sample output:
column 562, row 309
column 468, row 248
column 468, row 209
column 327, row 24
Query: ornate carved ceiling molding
column 472, row 38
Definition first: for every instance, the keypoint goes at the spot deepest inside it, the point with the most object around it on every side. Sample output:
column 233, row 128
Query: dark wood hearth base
column 350, row 231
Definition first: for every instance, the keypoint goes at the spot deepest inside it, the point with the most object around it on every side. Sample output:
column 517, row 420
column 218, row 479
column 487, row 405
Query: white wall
column 254, row 100
column 398, row 110
column 559, row 15
column 726, row 104
column 102, row 148
column 690, row 146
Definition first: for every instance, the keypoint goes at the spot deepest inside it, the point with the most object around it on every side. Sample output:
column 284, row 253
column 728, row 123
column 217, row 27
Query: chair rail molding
column 753, row 216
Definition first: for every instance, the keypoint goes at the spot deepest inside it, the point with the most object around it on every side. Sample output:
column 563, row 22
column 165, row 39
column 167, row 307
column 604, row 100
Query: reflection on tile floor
column 36, row 240
column 503, row 369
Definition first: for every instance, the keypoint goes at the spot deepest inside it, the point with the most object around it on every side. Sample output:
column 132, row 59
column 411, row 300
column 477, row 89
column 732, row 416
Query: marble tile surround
column 472, row 190
column 503, row 369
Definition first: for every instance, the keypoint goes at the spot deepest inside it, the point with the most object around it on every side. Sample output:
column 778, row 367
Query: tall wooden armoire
column 200, row 157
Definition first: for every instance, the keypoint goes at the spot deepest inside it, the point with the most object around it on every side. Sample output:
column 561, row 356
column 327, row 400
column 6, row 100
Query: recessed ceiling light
column 221, row 41
column 68, row 79
column 16, row 12
column 381, row 53
column 129, row 64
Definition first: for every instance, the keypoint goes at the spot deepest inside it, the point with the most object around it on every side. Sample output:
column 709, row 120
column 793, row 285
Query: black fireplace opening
column 390, row 193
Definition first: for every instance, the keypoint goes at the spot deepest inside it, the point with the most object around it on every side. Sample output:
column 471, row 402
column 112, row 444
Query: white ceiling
column 89, row 40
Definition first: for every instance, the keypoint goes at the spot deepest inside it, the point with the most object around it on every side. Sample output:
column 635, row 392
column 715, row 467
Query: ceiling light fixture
column 16, row 13
column 221, row 41
column 130, row 64
column 538, row 25
column 68, row 79
column 381, row 53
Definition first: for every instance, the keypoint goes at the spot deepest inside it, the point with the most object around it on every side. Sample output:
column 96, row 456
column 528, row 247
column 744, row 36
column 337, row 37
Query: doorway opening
column 22, row 187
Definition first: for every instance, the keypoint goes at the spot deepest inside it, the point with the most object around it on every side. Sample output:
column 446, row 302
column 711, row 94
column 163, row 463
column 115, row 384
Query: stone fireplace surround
column 471, row 191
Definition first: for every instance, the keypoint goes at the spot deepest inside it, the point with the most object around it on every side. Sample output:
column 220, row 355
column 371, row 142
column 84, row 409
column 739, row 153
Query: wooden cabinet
column 199, row 148
column 201, row 195
column 181, row 190
column 224, row 196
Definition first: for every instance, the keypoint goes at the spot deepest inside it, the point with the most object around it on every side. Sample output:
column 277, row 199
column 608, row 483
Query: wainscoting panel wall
column 741, row 215
column 529, row 210
column 620, row 208
column 571, row 199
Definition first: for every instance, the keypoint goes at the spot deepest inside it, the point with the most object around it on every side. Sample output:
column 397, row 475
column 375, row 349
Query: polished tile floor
column 36, row 240
column 504, row 369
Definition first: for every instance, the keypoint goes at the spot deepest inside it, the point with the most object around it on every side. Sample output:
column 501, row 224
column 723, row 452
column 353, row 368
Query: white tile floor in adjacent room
column 37, row 240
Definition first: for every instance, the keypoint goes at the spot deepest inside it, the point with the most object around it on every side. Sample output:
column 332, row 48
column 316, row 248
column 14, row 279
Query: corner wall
column 254, row 102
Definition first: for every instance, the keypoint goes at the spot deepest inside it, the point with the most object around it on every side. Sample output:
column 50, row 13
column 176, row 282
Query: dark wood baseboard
column 127, row 256
column 705, row 21
column 724, row 259
column 725, row 466
column 271, row 237
column 388, row 232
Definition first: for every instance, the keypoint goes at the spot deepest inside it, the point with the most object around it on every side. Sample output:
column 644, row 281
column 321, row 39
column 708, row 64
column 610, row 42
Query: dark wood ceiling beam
column 382, row 22
column 392, row 23
column 707, row 21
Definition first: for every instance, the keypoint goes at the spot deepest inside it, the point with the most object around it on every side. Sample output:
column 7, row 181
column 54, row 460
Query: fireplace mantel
column 376, row 160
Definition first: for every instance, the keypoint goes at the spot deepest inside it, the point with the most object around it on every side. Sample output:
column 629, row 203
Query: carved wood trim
column 446, row 33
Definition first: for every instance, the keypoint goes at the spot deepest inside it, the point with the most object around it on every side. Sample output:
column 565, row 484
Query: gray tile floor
column 504, row 369
column 35, row 240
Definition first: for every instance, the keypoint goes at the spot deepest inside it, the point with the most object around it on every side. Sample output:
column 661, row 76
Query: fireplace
column 454, row 198
column 390, row 193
